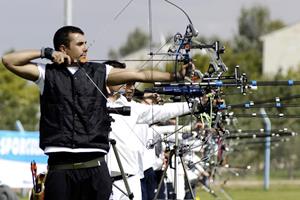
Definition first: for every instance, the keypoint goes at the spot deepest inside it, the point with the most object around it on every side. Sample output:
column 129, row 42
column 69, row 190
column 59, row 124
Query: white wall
column 281, row 49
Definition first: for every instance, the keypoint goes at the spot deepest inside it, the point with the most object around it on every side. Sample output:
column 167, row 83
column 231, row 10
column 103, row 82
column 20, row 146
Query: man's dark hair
column 61, row 37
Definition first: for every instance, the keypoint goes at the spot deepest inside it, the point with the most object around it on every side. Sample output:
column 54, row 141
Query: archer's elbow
column 5, row 61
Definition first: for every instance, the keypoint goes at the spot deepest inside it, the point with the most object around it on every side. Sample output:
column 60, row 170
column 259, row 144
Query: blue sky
column 29, row 24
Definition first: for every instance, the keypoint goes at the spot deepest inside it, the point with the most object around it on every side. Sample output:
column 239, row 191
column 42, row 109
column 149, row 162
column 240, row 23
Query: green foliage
column 201, row 62
column 275, row 25
column 113, row 54
column 19, row 101
column 253, row 22
column 136, row 40
column 250, row 62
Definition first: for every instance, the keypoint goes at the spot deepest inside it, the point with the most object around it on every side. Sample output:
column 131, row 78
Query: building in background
column 281, row 50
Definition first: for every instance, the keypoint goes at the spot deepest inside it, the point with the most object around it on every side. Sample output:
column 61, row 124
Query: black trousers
column 77, row 184
column 148, row 184
column 159, row 175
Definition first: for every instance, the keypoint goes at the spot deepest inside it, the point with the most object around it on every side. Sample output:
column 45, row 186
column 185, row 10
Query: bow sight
column 182, row 45
column 216, row 65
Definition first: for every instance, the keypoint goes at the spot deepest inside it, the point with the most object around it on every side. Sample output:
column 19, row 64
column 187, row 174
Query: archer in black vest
column 73, row 111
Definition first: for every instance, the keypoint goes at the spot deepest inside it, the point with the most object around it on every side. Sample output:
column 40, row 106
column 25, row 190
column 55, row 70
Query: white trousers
column 180, row 179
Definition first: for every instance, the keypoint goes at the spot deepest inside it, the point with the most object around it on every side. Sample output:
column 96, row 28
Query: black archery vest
column 73, row 111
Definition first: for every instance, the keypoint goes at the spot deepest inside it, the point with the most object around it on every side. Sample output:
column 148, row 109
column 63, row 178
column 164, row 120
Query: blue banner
column 21, row 146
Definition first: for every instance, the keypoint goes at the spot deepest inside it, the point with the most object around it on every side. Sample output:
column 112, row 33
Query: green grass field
column 275, row 192
column 278, row 191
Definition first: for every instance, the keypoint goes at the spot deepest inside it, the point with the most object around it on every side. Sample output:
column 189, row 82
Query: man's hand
column 187, row 70
column 60, row 57
column 152, row 98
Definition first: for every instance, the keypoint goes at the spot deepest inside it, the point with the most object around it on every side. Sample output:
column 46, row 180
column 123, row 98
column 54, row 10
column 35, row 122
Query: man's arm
column 20, row 63
column 120, row 76
column 156, row 113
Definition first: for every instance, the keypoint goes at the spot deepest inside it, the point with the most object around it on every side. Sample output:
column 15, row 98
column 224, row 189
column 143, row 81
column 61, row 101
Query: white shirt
column 130, row 144
column 40, row 83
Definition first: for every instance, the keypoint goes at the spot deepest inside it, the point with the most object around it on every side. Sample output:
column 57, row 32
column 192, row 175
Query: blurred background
column 262, row 37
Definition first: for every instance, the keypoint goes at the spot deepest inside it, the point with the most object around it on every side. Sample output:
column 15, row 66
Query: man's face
column 77, row 49
column 129, row 91
column 116, row 88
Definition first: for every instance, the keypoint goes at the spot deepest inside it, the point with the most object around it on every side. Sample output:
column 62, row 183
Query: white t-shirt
column 130, row 138
column 40, row 83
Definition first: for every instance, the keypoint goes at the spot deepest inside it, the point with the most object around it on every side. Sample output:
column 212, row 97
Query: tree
column 247, row 46
column 136, row 40
column 253, row 23
column 19, row 101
